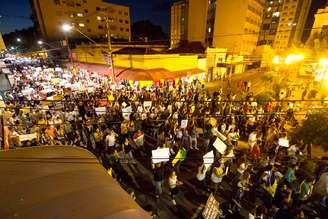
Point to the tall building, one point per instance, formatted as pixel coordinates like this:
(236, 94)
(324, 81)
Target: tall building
(89, 16)
(237, 24)
(197, 17)
(179, 27)
(319, 33)
(283, 23)
(270, 22)
(2, 43)
(231, 24)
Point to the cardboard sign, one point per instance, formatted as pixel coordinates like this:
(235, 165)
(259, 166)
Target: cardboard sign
(147, 103)
(220, 146)
(127, 109)
(27, 137)
(160, 155)
(208, 159)
(100, 111)
(283, 142)
(211, 210)
(184, 123)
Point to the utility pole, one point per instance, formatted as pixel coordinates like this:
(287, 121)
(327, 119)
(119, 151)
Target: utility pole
(109, 42)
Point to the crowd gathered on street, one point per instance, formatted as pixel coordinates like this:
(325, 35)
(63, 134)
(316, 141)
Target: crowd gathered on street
(123, 123)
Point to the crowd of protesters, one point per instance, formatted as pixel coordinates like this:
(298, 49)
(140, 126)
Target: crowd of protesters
(114, 121)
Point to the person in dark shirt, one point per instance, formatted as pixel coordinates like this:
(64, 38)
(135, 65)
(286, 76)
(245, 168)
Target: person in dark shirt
(158, 173)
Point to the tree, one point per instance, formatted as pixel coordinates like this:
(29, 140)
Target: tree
(314, 129)
(141, 30)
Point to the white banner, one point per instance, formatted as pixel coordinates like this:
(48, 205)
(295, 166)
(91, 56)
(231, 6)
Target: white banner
(160, 155)
(100, 111)
(27, 137)
(220, 146)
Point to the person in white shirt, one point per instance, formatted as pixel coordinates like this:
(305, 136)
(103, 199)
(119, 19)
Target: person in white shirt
(110, 140)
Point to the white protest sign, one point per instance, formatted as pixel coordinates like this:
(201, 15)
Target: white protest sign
(208, 159)
(220, 145)
(100, 111)
(147, 103)
(27, 137)
(184, 123)
(160, 155)
(283, 142)
(211, 210)
(127, 109)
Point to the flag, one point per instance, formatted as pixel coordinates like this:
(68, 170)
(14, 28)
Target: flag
(181, 156)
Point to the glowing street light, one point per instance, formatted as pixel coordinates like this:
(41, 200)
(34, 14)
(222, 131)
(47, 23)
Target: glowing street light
(276, 60)
(299, 57)
(19, 40)
(40, 42)
(324, 62)
(67, 27)
(289, 59)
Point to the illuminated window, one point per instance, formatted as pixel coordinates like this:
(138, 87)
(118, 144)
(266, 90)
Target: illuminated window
(79, 14)
(98, 18)
(276, 14)
(81, 24)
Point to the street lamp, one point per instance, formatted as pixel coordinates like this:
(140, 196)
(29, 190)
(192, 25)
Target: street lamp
(40, 42)
(67, 28)
(19, 40)
(276, 60)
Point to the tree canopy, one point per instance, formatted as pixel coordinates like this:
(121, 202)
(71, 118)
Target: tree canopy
(314, 129)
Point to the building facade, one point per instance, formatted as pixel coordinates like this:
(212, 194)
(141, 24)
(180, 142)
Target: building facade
(222, 23)
(179, 27)
(270, 22)
(319, 33)
(238, 34)
(89, 16)
(283, 23)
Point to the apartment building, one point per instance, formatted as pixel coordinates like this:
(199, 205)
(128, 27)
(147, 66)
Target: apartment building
(222, 23)
(88, 16)
(283, 23)
(179, 27)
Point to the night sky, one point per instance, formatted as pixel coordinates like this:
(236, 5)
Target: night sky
(158, 11)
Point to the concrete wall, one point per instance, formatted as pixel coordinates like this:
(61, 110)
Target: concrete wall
(171, 62)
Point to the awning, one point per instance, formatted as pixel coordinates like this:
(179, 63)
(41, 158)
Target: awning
(60, 182)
